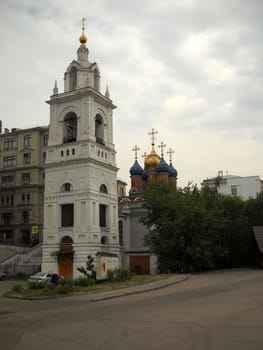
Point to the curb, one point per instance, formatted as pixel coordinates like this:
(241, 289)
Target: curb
(143, 290)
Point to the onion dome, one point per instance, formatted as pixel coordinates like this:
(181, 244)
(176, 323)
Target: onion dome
(152, 160)
(162, 167)
(83, 39)
(136, 169)
(144, 174)
(172, 171)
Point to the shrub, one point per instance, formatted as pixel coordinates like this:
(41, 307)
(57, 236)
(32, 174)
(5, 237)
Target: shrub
(121, 274)
(37, 285)
(84, 281)
(64, 289)
(89, 270)
(67, 282)
(17, 288)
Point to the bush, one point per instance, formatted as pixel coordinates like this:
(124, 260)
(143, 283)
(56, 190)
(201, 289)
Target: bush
(17, 288)
(37, 285)
(64, 289)
(121, 274)
(67, 282)
(84, 281)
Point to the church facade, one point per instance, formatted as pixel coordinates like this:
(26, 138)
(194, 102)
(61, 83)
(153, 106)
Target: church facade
(135, 254)
(80, 200)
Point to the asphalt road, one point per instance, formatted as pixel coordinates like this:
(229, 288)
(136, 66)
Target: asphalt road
(220, 310)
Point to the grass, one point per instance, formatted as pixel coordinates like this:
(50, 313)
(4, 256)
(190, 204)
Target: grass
(24, 292)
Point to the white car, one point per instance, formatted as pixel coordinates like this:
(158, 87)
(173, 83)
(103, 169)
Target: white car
(46, 277)
(40, 277)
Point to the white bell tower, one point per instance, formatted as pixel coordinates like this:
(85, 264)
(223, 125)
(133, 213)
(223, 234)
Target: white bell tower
(80, 204)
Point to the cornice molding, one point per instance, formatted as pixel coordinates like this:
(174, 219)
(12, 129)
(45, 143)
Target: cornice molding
(79, 93)
(81, 161)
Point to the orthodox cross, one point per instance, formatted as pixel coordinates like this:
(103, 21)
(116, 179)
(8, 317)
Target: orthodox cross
(135, 150)
(152, 133)
(83, 22)
(162, 146)
(144, 155)
(170, 152)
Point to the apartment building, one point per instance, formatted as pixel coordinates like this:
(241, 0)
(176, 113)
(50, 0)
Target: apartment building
(241, 186)
(22, 159)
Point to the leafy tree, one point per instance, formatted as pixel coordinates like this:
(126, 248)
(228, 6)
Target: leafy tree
(192, 229)
(180, 227)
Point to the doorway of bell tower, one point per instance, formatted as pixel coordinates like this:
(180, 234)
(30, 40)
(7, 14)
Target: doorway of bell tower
(65, 263)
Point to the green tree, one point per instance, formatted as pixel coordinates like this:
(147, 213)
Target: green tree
(192, 229)
(181, 224)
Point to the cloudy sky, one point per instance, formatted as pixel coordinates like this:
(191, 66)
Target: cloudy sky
(190, 69)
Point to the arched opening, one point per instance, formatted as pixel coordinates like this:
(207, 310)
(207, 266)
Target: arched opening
(70, 128)
(66, 239)
(99, 129)
(104, 240)
(103, 189)
(66, 187)
(73, 78)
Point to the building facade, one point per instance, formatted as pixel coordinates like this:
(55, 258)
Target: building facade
(241, 186)
(81, 202)
(22, 158)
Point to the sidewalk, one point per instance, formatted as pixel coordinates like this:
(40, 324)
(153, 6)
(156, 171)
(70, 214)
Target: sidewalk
(142, 288)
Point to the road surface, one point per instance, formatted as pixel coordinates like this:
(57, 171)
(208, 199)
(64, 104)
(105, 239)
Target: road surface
(217, 310)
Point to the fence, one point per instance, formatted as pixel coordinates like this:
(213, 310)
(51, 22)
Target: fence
(14, 269)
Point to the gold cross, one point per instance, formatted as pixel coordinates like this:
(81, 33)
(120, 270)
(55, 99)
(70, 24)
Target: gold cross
(144, 155)
(162, 146)
(135, 150)
(152, 133)
(170, 152)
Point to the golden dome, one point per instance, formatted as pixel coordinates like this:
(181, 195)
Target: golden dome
(152, 160)
(83, 39)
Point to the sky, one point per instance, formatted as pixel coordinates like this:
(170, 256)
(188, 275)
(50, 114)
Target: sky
(190, 69)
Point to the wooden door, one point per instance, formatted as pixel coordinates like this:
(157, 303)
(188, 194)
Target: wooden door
(66, 265)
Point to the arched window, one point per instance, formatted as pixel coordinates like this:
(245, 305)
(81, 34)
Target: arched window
(66, 239)
(25, 217)
(73, 78)
(103, 189)
(70, 128)
(104, 240)
(99, 129)
(103, 215)
(66, 187)
(67, 215)
(121, 240)
(66, 245)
